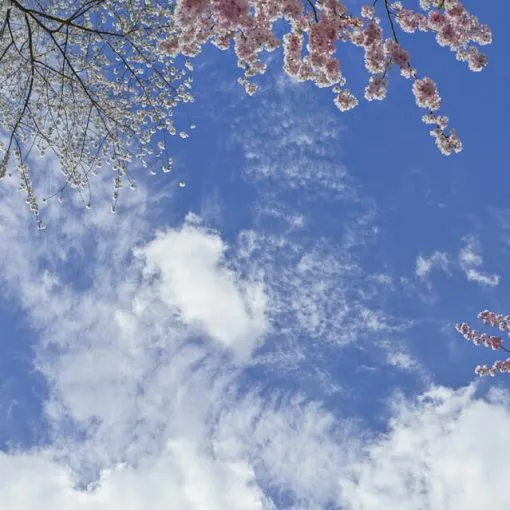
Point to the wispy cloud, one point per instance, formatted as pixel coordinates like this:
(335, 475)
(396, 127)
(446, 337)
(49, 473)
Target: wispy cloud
(294, 148)
(470, 261)
(437, 260)
(136, 358)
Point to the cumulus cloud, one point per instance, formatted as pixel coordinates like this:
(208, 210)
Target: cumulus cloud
(195, 279)
(181, 477)
(470, 260)
(437, 455)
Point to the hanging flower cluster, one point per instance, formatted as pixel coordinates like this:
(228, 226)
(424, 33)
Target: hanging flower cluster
(310, 46)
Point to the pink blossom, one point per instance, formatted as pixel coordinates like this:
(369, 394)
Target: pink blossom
(345, 101)
(193, 7)
(332, 70)
(372, 35)
(376, 89)
(396, 53)
(249, 26)
(483, 36)
(491, 341)
(476, 60)
(448, 36)
(447, 143)
(499, 366)
(426, 94)
(230, 12)
(368, 11)
(436, 20)
(410, 21)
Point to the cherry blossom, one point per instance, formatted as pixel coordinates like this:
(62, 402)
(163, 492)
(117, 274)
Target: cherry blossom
(96, 81)
(315, 31)
(86, 83)
(502, 322)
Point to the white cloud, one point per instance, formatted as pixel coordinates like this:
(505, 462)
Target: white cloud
(196, 280)
(444, 451)
(304, 151)
(437, 260)
(397, 355)
(182, 477)
(120, 350)
(298, 447)
(470, 261)
(133, 349)
(316, 288)
(130, 382)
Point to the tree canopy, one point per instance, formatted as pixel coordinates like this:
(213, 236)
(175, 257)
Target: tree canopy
(95, 81)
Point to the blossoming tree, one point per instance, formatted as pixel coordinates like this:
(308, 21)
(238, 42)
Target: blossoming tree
(96, 80)
(84, 80)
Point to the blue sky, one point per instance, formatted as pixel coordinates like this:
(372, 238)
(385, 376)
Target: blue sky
(278, 334)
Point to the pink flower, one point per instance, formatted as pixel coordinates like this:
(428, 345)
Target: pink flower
(376, 89)
(230, 12)
(345, 101)
(249, 26)
(396, 53)
(490, 341)
(436, 20)
(410, 21)
(368, 11)
(476, 60)
(426, 94)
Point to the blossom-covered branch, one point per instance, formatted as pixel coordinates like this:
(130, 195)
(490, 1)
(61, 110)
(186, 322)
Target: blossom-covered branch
(311, 43)
(502, 322)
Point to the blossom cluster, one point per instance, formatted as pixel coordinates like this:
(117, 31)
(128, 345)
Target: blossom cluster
(498, 366)
(310, 45)
(454, 28)
(502, 322)
(493, 342)
(495, 320)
